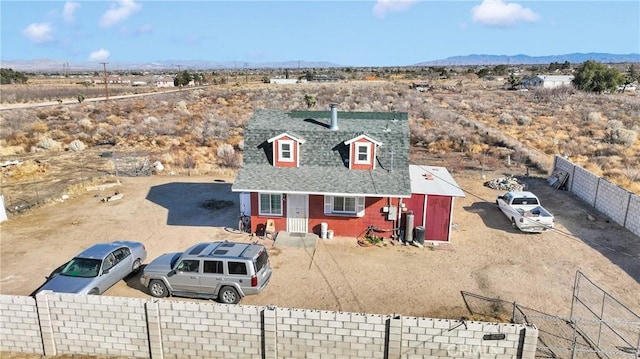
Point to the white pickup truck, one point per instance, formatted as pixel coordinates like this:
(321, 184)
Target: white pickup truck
(525, 212)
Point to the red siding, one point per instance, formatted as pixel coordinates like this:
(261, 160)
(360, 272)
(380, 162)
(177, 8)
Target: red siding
(353, 155)
(416, 205)
(276, 152)
(340, 225)
(438, 215)
(350, 226)
(257, 221)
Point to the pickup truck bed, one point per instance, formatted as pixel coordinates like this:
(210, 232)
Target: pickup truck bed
(525, 212)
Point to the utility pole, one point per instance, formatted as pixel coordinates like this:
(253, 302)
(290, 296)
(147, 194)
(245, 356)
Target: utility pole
(106, 83)
(179, 78)
(246, 73)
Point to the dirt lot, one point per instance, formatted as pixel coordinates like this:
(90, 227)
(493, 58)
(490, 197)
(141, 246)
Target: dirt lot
(486, 256)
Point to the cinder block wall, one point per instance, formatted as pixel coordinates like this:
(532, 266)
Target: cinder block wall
(151, 328)
(617, 203)
(19, 325)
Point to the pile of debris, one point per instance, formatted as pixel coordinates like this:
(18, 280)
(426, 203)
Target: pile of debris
(505, 184)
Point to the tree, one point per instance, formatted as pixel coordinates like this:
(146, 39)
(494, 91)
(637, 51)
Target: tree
(514, 81)
(631, 76)
(596, 77)
(182, 79)
(8, 76)
(310, 100)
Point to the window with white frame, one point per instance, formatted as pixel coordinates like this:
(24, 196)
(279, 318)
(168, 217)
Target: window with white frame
(285, 150)
(363, 153)
(344, 205)
(270, 204)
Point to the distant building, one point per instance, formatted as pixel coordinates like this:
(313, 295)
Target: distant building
(547, 81)
(286, 81)
(164, 81)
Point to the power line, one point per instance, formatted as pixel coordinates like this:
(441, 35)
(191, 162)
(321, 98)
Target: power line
(106, 83)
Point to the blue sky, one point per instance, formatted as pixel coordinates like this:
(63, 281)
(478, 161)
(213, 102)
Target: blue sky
(349, 33)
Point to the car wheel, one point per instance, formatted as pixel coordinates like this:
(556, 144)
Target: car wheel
(513, 224)
(94, 291)
(229, 295)
(136, 266)
(158, 289)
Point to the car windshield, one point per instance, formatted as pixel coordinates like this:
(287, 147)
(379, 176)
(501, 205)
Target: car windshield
(82, 267)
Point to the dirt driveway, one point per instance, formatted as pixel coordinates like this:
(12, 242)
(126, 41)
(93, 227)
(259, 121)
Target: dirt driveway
(486, 256)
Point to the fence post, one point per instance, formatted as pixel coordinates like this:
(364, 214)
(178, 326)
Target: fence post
(270, 333)
(154, 330)
(595, 198)
(46, 326)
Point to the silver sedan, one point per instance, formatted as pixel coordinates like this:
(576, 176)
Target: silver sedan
(97, 268)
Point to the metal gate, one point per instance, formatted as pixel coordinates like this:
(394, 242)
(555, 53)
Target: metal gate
(297, 213)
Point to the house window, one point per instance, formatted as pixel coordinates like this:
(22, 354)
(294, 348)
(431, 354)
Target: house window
(363, 153)
(270, 204)
(285, 151)
(344, 205)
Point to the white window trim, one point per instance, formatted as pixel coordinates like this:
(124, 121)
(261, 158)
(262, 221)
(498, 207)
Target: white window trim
(328, 207)
(260, 205)
(280, 150)
(358, 145)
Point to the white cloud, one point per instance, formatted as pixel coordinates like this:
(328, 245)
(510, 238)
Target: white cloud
(99, 55)
(117, 13)
(39, 33)
(501, 14)
(382, 7)
(70, 8)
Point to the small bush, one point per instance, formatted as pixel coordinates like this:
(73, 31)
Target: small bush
(523, 120)
(76, 146)
(227, 155)
(505, 119)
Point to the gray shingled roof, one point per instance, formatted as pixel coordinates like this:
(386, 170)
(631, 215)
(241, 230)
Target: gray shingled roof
(322, 157)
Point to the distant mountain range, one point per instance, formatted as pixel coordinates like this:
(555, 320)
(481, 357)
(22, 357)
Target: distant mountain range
(520, 59)
(61, 65)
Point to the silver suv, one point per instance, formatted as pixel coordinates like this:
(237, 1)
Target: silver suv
(226, 271)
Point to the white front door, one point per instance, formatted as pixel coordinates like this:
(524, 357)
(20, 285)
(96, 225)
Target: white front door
(297, 213)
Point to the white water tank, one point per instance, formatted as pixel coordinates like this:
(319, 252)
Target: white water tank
(323, 230)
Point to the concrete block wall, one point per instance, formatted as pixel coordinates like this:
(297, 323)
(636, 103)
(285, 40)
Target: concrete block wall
(210, 330)
(584, 185)
(443, 338)
(19, 325)
(96, 325)
(617, 203)
(632, 222)
(152, 328)
(612, 200)
(327, 334)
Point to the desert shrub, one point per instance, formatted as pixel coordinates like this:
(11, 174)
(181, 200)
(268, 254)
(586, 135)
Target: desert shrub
(594, 117)
(505, 119)
(39, 127)
(227, 155)
(150, 120)
(624, 137)
(76, 146)
(523, 120)
(47, 143)
(85, 123)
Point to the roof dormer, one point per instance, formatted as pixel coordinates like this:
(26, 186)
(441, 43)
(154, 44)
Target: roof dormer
(362, 152)
(286, 150)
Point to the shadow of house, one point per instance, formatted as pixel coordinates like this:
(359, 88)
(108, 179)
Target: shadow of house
(197, 204)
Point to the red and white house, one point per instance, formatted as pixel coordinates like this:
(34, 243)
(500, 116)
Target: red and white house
(307, 169)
